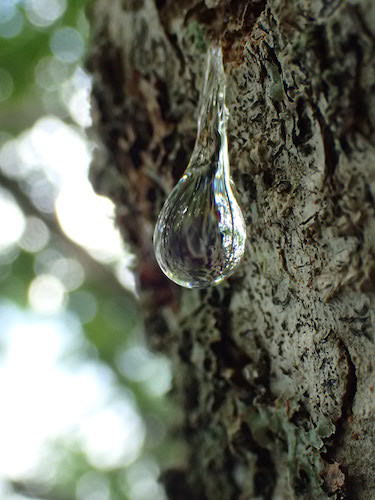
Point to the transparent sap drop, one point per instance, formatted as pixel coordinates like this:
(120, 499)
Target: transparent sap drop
(200, 234)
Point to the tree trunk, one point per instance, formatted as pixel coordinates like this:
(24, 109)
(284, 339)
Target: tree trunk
(273, 368)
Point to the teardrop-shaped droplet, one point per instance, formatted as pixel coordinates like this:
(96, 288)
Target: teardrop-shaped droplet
(200, 234)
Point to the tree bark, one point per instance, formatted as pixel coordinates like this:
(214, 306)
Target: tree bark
(274, 369)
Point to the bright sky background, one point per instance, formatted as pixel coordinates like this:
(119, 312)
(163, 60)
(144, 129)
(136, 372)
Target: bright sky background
(48, 394)
(44, 396)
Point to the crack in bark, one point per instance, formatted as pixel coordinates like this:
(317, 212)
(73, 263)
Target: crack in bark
(335, 441)
(265, 476)
(330, 153)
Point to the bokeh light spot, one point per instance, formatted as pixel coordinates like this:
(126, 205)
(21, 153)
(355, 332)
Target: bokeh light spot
(43, 13)
(7, 10)
(46, 294)
(67, 45)
(11, 26)
(69, 271)
(35, 236)
(98, 236)
(12, 220)
(113, 437)
(142, 480)
(50, 73)
(45, 259)
(41, 191)
(84, 304)
(140, 365)
(11, 162)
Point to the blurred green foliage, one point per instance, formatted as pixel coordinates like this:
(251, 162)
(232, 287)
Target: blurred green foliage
(20, 54)
(114, 326)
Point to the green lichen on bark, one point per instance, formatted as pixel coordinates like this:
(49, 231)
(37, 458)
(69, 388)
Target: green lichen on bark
(197, 33)
(274, 369)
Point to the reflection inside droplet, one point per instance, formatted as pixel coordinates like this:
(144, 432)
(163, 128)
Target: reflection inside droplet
(200, 235)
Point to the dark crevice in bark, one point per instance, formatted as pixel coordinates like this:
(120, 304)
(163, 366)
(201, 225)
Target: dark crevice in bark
(273, 58)
(319, 44)
(265, 476)
(358, 120)
(301, 483)
(330, 153)
(227, 353)
(359, 325)
(301, 417)
(107, 61)
(160, 3)
(177, 486)
(201, 13)
(303, 123)
(185, 346)
(335, 441)
(175, 46)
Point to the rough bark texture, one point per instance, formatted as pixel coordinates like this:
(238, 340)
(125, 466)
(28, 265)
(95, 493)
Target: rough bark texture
(274, 369)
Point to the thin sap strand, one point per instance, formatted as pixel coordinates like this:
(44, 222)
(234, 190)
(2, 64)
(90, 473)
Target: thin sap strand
(200, 235)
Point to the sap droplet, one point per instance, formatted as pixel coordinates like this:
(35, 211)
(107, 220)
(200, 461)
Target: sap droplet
(200, 235)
